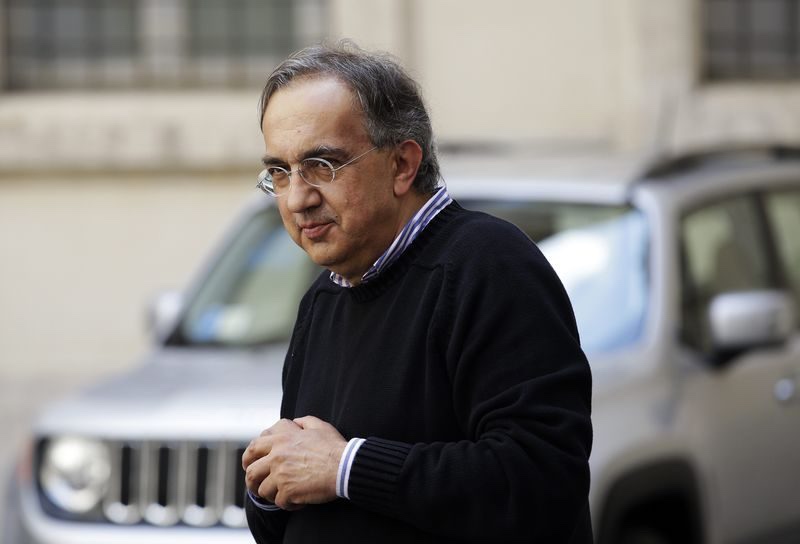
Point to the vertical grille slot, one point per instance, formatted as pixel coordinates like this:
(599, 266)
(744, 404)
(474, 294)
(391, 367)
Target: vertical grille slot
(203, 506)
(201, 476)
(159, 483)
(233, 514)
(121, 502)
(125, 475)
(239, 488)
(164, 476)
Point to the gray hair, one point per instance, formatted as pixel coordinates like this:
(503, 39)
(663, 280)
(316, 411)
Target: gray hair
(390, 100)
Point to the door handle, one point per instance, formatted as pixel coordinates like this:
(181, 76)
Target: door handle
(785, 389)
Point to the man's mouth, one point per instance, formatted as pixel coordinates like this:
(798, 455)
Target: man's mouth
(314, 231)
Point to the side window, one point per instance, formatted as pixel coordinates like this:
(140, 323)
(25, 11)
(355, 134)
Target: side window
(783, 211)
(723, 251)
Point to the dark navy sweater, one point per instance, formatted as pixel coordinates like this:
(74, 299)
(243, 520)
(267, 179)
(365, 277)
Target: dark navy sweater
(461, 366)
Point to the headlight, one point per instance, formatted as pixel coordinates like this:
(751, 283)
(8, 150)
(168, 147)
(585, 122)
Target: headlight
(75, 473)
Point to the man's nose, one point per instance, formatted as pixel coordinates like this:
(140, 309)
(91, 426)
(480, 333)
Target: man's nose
(301, 195)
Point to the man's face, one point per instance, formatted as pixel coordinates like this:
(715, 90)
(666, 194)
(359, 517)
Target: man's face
(345, 225)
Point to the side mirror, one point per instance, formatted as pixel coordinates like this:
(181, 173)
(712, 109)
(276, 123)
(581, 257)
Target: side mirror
(744, 320)
(162, 314)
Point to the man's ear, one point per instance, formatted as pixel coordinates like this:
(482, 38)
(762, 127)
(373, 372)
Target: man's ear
(408, 156)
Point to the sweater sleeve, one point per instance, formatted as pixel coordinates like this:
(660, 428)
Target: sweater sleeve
(521, 389)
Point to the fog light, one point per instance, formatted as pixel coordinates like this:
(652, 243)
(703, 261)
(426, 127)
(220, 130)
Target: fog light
(75, 473)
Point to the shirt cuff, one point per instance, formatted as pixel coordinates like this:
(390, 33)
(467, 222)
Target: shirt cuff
(345, 464)
(261, 503)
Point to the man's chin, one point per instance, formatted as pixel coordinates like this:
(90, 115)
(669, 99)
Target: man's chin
(320, 253)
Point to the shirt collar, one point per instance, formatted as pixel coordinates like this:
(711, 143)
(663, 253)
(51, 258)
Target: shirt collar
(407, 235)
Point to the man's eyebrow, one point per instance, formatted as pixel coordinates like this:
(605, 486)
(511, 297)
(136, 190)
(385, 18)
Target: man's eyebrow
(267, 160)
(324, 150)
(318, 151)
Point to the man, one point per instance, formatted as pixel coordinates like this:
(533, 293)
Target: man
(434, 387)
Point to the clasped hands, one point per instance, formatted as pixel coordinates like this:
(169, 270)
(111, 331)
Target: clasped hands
(294, 462)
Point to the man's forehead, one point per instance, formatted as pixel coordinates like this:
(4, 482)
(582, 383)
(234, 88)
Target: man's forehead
(309, 113)
(313, 95)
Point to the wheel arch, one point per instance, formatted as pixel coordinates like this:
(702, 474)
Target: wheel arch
(668, 482)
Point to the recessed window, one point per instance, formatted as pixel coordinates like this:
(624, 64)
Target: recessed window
(71, 43)
(751, 39)
(101, 44)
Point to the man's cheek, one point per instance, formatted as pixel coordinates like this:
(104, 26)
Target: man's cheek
(294, 232)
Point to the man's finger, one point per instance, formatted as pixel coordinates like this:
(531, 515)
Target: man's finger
(309, 422)
(282, 425)
(256, 473)
(268, 490)
(256, 449)
(284, 504)
(262, 446)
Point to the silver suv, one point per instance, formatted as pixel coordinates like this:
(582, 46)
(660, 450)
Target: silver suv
(685, 282)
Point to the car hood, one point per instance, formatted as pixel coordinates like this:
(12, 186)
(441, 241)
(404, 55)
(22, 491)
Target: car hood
(222, 394)
(178, 393)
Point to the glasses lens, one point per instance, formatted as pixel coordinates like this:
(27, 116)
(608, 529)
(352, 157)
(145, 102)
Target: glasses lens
(264, 183)
(317, 171)
(277, 179)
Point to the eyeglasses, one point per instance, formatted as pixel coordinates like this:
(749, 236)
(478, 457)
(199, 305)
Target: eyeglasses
(276, 180)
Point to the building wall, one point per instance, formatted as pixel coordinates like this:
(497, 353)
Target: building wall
(81, 256)
(146, 131)
(535, 73)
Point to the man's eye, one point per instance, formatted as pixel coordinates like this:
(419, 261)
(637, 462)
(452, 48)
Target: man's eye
(276, 172)
(316, 165)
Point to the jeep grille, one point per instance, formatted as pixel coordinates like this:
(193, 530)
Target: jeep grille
(166, 483)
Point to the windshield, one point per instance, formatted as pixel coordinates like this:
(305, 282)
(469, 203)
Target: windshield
(251, 295)
(599, 252)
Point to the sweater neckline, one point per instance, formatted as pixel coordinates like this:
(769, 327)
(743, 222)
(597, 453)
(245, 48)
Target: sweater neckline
(369, 290)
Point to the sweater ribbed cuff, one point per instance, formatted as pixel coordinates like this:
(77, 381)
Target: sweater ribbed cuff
(374, 474)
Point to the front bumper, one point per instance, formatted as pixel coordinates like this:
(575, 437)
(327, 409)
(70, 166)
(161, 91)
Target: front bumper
(26, 523)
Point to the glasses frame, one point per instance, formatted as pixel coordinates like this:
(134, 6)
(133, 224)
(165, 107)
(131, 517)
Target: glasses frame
(265, 178)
